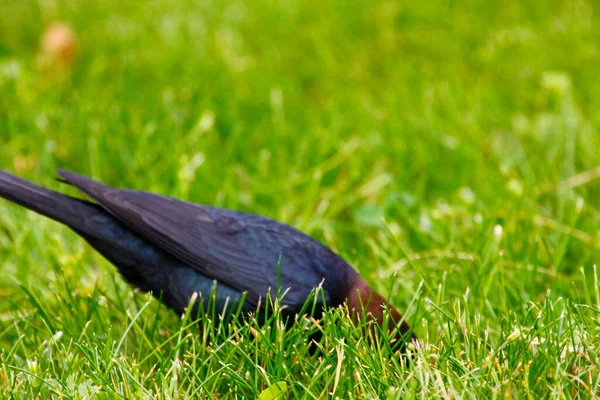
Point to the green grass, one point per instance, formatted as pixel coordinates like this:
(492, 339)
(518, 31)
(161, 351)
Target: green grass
(447, 150)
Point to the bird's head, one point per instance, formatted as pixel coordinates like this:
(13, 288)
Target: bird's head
(365, 303)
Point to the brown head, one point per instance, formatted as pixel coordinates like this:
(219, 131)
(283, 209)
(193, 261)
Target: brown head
(362, 297)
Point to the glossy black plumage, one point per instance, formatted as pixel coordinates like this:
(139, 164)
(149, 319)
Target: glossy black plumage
(241, 250)
(161, 244)
(175, 249)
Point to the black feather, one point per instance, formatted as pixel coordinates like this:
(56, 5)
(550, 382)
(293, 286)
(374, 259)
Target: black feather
(164, 245)
(240, 250)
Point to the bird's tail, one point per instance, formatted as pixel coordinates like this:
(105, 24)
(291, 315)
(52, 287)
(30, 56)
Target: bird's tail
(59, 207)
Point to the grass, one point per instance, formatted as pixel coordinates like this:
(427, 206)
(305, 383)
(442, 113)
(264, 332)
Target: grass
(448, 150)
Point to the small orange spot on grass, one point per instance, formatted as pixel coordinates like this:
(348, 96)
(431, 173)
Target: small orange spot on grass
(58, 47)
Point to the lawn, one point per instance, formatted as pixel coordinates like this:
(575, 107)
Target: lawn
(447, 150)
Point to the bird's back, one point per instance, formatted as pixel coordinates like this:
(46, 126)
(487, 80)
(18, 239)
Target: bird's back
(249, 253)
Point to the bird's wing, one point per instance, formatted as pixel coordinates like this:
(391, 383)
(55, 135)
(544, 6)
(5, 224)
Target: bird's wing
(241, 250)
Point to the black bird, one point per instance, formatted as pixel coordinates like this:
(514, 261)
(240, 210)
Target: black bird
(175, 249)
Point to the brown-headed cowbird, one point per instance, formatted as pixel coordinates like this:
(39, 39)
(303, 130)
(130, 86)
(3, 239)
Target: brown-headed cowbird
(174, 249)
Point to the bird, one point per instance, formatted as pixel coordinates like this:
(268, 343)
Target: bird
(186, 253)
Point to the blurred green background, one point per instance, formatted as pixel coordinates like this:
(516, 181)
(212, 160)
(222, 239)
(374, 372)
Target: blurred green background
(449, 143)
